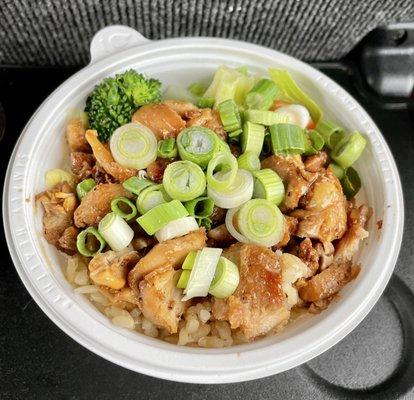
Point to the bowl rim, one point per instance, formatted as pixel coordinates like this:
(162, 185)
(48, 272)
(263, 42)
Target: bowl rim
(245, 372)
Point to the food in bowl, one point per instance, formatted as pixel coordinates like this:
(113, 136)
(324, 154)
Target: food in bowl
(206, 216)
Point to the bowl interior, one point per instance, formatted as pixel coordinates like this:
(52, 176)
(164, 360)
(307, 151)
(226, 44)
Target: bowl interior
(181, 63)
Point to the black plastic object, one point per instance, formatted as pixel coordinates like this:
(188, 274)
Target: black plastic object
(38, 361)
(385, 62)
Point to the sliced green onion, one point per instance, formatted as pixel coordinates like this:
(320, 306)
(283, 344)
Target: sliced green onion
(82, 188)
(159, 216)
(198, 145)
(125, 203)
(197, 89)
(268, 185)
(252, 138)
(57, 175)
(295, 114)
(351, 182)
(243, 69)
(267, 146)
(117, 233)
(314, 142)
(224, 85)
(189, 260)
(151, 197)
(236, 194)
(331, 132)
(224, 162)
(285, 82)
(89, 242)
(201, 207)
(229, 115)
(176, 92)
(262, 95)
(235, 134)
(337, 170)
(206, 102)
(265, 117)
(223, 146)
(261, 222)
(136, 185)
(226, 279)
(202, 273)
(230, 220)
(133, 145)
(184, 180)
(349, 149)
(249, 161)
(287, 139)
(206, 222)
(183, 281)
(176, 228)
(167, 148)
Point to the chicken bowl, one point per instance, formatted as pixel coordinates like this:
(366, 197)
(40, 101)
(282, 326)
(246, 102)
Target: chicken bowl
(258, 226)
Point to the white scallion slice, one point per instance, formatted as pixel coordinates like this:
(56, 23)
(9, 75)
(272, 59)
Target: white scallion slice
(236, 194)
(159, 216)
(151, 197)
(230, 220)
(184, 180)
(296, 114)
(227, 164)
(202, 273)
(176, 228)
(133, 145)
(261, 222)
(226, 279)
(268, 185)
(116, 232)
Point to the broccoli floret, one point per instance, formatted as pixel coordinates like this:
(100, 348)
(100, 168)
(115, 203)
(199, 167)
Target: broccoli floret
(113, 101)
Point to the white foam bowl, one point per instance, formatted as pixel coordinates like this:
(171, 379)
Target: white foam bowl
(41, 147)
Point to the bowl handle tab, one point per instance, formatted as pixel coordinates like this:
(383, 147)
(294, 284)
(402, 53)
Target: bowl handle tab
(113, 39)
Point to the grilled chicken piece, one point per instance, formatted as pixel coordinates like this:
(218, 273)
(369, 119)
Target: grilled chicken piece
(308, 254)
(97, 203)
(110, 269)
(209, 119)
(220, 237)
(157, 168)
(325, 284)
(105, 160)
(170, 253)
(163, 121)
(59, 204)
(326, 254)
(293, 269)
(67, 242)
(290, 229)
(324, 213)
(294, 175)
(349, 244)
(183, 108)
(316, 162)
(82, 164)
(124, 298)
(160, 299)
(257, 305)
(75, 135)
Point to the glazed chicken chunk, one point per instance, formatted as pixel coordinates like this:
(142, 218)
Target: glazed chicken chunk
(296, 178)
(160, 299)
(257, 305)
(170, 253)
(323, 215)
(75, 135)
(110, 269)
(59, 205)
(97, 203)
